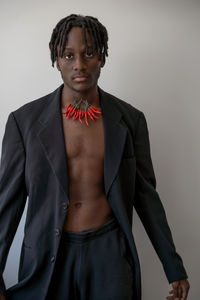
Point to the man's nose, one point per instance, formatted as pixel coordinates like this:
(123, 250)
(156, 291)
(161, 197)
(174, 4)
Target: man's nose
(79, 64)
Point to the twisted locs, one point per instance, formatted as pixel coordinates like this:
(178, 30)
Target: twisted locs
(97, 32)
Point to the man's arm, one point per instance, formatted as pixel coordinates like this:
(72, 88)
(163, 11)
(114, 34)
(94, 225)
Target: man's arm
(150, 209)
(12, 190)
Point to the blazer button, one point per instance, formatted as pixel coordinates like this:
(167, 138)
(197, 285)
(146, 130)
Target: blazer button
(64, 206)
(52, 258)
(57, 232)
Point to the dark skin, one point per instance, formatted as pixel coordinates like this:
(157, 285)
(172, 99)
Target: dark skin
(85, 146)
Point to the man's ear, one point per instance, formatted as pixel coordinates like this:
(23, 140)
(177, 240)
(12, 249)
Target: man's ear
(57, 64)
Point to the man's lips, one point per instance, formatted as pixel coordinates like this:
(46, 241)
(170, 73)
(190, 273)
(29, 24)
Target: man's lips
(80, 78)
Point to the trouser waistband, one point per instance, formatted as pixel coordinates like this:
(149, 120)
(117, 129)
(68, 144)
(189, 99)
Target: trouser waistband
(84, 235)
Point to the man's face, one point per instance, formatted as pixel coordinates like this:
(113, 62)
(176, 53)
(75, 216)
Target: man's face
(80, 71)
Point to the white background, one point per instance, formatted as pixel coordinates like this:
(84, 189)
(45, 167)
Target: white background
(154, 64)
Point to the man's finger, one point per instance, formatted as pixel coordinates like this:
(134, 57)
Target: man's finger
(185, 290)
(180, 292)
(175, 286)
(175, 292)
(170, 297)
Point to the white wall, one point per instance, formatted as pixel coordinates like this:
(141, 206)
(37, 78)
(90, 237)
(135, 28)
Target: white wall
(154, 64)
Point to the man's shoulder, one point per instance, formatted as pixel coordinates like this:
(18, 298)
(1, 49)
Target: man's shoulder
(30, 112)
(34, 105)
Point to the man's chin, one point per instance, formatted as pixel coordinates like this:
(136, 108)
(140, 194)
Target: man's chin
(81, 88)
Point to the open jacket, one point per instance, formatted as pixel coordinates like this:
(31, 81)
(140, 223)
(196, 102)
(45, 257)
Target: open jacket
(34, 169)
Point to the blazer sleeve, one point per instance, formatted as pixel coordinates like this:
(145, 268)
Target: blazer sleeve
(150, 209)
(12, 190)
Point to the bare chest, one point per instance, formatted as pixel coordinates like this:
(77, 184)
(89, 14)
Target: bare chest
(82, 141)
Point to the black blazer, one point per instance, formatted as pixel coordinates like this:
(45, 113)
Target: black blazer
(34, 168)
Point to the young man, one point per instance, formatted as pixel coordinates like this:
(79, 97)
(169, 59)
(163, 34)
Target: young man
(82, 156)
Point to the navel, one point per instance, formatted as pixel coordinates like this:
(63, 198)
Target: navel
(78, 204)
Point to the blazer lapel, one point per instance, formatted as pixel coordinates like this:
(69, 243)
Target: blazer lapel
(114, 138)
(51, 137)
(52, 140)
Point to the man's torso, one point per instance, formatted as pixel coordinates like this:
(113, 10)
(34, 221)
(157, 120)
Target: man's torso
(85, 157)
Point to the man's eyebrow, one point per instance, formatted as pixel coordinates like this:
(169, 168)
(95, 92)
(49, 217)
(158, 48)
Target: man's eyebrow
(68, 48)
(71, 49)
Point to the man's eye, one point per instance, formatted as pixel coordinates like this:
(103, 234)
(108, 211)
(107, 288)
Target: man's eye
(89, 54)
(68, 56)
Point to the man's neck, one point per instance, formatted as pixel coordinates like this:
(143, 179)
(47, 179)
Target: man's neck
(69, 96)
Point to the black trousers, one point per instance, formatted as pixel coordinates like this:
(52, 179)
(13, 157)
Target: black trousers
(93, 264)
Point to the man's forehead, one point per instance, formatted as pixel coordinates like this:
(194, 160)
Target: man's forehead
(73, 31)
(72, 37)
(83, 48)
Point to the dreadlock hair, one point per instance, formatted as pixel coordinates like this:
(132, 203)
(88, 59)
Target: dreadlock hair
(97, 32)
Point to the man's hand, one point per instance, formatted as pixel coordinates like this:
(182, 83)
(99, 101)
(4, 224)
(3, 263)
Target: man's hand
(180, 290)
(2, 298)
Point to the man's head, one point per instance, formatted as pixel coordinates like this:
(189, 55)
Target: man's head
(78, 46)
(97, 33)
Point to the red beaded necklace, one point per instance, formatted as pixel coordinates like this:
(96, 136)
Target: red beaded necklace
(88, 111)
